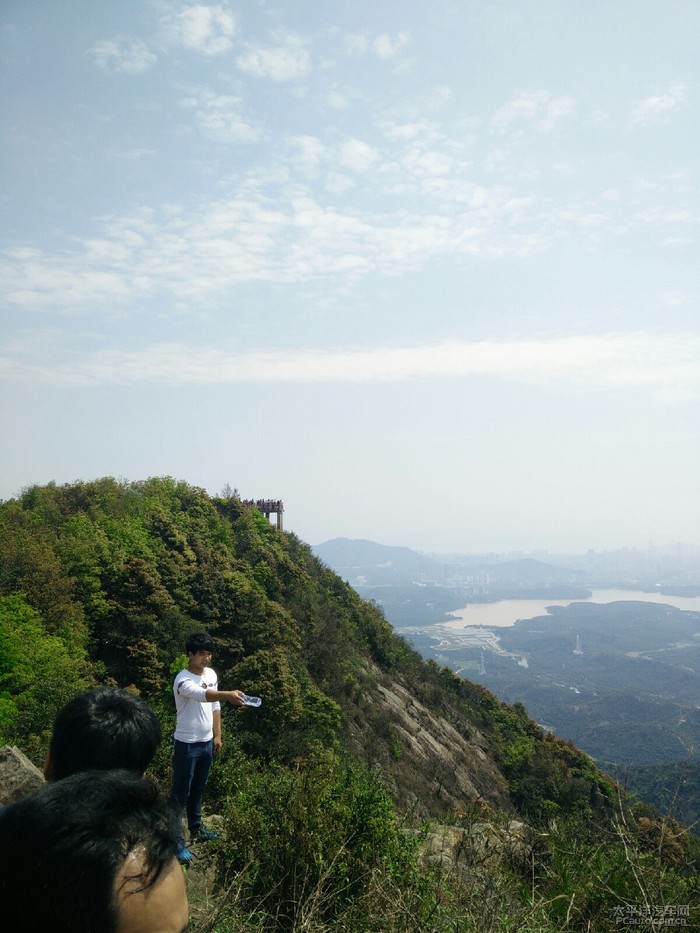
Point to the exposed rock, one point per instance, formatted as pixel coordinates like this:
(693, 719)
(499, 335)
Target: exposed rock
(476, 847)
(429, 766)
(18, 776)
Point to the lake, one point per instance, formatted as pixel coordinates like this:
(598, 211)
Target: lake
(507, 611)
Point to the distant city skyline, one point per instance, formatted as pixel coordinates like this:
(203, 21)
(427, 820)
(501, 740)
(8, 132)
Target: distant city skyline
(680, 550)
(426, 272)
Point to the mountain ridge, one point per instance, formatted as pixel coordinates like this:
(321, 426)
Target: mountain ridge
(101, 581)
(343, 554)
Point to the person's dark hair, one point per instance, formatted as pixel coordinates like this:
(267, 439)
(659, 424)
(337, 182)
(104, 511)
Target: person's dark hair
(62, 847)
(199, 641)
(102, 729)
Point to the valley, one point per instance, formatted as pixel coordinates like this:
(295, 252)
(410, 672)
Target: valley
(616, 669)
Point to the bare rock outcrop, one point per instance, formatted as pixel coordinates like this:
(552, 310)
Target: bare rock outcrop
(476, 848)
(429, 766)
(18, 776)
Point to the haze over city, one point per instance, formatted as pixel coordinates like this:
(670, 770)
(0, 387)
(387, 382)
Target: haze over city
(426, 272)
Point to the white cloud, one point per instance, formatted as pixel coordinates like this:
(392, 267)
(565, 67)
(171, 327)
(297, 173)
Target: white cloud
(336, 100)
(122, 56)
(208, 30)
(675, 298)
(356, 44)
(309, 151)
(556, 109)
(337, 183)
(666, 366)
(430, 163)
(665, 215)
(386, 47)
(657, 108)
(537, 107)
(357, 155)
(286, 61)
(219, 115)
(524, 106)
(273, 232)
(408, 131)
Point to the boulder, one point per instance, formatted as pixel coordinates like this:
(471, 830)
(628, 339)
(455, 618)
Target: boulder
(479, 847)
(18, 776)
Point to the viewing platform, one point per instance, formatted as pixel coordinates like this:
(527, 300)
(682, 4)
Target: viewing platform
(268, 507)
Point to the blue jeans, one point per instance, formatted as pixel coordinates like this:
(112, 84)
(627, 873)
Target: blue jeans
(191, 765)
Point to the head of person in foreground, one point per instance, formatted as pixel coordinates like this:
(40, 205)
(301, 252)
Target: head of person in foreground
(93, 853)
(102, 729)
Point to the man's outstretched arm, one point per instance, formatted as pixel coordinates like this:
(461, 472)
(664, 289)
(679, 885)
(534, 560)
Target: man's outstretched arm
(225, 696)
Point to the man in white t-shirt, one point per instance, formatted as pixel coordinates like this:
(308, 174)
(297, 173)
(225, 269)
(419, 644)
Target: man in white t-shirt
(197, 734)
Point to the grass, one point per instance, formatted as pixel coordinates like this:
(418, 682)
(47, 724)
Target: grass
(569, 882)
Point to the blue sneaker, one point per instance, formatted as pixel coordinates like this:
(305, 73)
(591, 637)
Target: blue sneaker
(184, 856)
(204, 835)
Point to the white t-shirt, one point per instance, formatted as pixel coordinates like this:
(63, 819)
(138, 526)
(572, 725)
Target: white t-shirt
(195, 716)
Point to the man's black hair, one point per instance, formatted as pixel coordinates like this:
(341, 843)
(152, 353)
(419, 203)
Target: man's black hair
(199, 641)
(102, 729)
(62, 847)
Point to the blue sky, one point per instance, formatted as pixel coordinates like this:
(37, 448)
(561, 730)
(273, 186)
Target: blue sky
(427, 272)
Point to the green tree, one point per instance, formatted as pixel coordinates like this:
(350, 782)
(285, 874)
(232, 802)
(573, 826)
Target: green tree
(37, 672)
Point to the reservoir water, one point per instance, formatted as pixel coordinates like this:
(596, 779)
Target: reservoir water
(508, 611)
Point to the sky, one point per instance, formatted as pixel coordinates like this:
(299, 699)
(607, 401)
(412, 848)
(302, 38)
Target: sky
(427, 272)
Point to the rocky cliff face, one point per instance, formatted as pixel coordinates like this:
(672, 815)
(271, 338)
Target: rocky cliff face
(430, 767)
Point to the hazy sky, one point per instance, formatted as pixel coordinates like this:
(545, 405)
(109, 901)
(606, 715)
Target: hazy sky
(427, 271)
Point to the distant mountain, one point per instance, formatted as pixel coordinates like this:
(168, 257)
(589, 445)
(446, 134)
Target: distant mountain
(377, 563)
(382, 564)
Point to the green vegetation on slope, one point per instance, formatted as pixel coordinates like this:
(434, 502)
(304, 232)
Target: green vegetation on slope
(102, 581)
